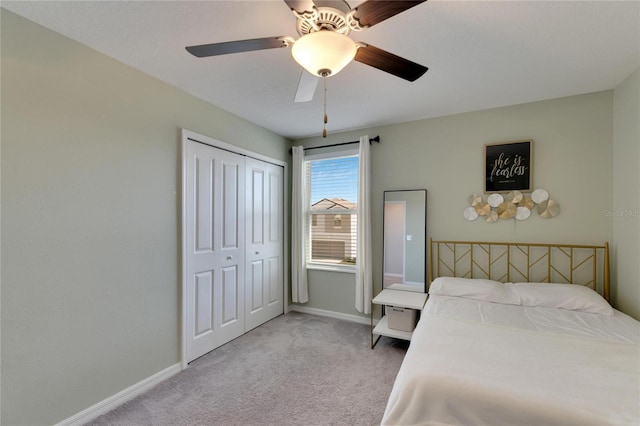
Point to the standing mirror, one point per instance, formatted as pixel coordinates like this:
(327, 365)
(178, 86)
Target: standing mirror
(405, 240)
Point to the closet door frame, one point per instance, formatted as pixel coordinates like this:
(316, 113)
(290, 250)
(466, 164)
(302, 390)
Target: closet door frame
(187, 136)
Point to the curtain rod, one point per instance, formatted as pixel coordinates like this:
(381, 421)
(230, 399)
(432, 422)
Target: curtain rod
(374, 139)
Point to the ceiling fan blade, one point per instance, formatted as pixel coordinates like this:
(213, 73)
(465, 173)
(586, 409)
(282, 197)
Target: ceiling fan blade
(373, 12)
(388, 62)
(306, 87)
(300, 6)
(225, 48)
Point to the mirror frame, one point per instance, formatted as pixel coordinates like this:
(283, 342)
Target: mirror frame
(425, 265)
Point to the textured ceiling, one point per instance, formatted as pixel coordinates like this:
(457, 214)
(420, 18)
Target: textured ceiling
(480, 54)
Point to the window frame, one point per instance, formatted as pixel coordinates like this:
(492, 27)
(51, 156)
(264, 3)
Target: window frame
(320, 266)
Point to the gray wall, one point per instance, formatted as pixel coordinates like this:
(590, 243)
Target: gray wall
(90, 198)
(626, 194)
(573, 157)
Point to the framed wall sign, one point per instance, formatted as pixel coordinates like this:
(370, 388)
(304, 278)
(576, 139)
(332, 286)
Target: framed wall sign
(508, 166)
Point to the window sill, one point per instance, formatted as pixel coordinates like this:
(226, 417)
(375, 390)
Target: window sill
(332, 268)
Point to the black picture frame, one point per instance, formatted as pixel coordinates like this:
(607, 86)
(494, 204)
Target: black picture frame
(508, 166)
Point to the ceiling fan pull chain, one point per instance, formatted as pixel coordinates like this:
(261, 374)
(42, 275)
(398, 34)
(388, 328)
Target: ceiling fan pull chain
(324, 130)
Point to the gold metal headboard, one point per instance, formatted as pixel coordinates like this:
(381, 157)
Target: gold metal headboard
(586, 265)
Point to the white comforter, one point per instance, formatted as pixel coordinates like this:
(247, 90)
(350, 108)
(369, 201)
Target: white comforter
(481, 363)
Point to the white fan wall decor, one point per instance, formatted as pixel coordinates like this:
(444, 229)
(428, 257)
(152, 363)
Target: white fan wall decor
(514, 205)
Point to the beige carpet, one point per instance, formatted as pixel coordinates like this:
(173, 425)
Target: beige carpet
(297, 369)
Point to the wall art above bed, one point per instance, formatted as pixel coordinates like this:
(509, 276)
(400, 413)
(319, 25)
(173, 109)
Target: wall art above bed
(508, 179)
(508, 166)
(513, 205)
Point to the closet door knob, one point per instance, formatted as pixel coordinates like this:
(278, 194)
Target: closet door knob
(229, 257)
(257, 252)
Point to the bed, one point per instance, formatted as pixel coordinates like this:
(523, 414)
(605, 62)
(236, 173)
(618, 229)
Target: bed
(519, 334)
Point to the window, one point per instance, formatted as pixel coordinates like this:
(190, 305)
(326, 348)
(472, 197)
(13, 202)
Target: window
(332, 210)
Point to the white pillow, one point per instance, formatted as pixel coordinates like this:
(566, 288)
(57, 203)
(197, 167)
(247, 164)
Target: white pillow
(573, 297)
(477, 289)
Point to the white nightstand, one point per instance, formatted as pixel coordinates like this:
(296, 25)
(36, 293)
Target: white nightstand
(398, 298)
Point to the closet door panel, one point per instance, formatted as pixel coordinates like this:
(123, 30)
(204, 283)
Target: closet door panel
(274, 275)
(204, 208)
(214, 248)
(231, 207)
(275, 200)
(204, 304)
(265, 248)
(230, 198)
(257, 206)
(257, 273)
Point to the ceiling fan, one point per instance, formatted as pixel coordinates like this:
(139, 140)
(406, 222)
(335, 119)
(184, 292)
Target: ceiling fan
(324, 47)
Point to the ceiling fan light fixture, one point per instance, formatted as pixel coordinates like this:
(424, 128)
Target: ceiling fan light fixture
(324, 52)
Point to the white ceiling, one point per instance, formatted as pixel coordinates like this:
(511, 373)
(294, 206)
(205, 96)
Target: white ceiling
(480, 54)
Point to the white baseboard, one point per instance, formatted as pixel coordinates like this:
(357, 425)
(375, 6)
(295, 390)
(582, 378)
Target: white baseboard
(121, 397)
(332, 314)
(389, 274)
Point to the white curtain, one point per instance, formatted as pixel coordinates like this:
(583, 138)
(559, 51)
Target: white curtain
(299, 287)
(364, 283)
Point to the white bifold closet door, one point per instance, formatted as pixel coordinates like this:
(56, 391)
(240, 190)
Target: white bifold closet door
(214, 248)
(264, 250)
(234, 248)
